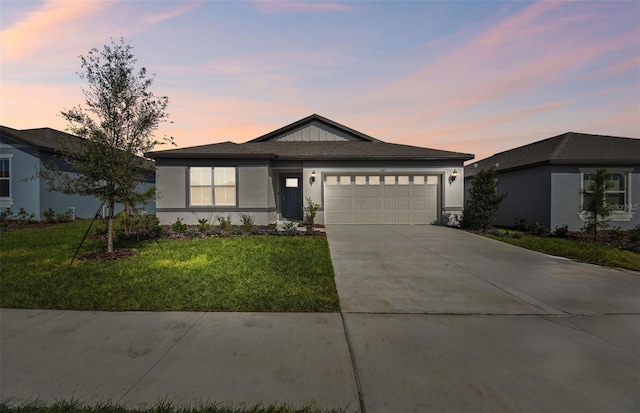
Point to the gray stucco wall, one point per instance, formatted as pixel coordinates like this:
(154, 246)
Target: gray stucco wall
(566, 185)
(253, 185)
(257, 186)
(528, 196)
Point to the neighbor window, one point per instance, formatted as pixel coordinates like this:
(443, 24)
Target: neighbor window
(5, 178)
(616, 194)
(213, 186)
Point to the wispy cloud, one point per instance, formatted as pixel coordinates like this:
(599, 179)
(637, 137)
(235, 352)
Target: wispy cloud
(174, 12)
(52, 23)
(301, 6)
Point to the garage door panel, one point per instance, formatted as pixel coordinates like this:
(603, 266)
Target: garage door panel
(402, 204)
(360, 205)
(389, 200)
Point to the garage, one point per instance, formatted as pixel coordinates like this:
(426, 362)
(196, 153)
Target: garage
(381, 199)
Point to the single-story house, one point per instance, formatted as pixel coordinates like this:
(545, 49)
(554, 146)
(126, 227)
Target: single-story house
(545, 180)
(355, 178)
(23, 153)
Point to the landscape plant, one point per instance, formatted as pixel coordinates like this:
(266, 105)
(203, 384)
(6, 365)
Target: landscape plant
(310, 211)
(595, 201)
(203, 225)
(481, 209)
(225, 223)
(115, 128)
(49, 215)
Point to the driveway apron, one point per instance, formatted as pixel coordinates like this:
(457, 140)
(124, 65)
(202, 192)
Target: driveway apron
(442, 320)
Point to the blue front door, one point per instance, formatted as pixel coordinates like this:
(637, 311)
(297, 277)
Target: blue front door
(291, 196)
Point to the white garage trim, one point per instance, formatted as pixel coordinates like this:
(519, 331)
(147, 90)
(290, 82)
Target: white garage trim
(400, 198)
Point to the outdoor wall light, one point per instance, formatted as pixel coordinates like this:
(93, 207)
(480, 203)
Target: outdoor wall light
(312, 178)
(454, 175)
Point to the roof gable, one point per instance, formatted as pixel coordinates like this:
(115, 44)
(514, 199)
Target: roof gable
(569, 148)
(315, 128)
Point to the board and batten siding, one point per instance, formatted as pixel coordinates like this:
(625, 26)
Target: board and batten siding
(315, 132)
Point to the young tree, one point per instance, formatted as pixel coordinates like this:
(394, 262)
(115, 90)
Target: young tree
(482, 207)
(116, 128)
(595, 200)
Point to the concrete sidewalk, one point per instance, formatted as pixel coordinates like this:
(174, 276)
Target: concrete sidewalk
(139, 358)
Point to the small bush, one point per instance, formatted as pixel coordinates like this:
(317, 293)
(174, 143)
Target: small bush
(6, 215)
(64, 217)
(290, 228)
(24, 217)
(49, 215)
(203, 225)
(248, 222)
(225, 223)
(310, 211)
(561, 231)
(179, 226)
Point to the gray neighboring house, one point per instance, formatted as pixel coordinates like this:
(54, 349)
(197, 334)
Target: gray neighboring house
(355, 178)
(545, 179)
(25, 152)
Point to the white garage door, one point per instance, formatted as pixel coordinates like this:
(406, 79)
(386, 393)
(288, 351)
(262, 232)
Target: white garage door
(387, 199)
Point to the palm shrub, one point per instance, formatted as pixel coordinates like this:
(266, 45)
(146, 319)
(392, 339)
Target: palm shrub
(595, 201)
(482, 207)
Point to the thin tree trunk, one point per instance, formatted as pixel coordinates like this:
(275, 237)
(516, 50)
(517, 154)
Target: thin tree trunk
(110, 229)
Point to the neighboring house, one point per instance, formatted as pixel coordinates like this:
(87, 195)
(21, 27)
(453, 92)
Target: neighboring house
(545, 180)
(356, 179)
(23, 153)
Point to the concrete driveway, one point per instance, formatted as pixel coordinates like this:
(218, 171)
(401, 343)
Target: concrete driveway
(442, 320)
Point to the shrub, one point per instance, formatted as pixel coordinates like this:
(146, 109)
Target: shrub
(179, 226)
(310, 211)
(24, 217)
(248, 222)
(290, 228)
(49, 215)
(225, 223)
(64, 217)
(203, 224)
(480, 211)
(561, 231)
(6, 215)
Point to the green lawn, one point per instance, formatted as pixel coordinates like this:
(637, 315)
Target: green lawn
(261, 273)
(576, 250)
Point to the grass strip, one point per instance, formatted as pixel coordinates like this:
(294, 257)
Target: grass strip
(576, 250)
(162, 407)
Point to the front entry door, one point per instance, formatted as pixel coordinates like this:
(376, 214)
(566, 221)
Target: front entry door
(291, 196)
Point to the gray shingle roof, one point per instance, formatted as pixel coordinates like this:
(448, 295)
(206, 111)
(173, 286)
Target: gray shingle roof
(45, 139)
(311, 151)
(570, 148)
(365, 148)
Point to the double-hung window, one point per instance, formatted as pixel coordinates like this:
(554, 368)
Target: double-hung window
(5, 177)
(617, 195)
(212, 186)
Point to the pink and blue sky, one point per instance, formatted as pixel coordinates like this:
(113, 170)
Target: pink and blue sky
(470, 76)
